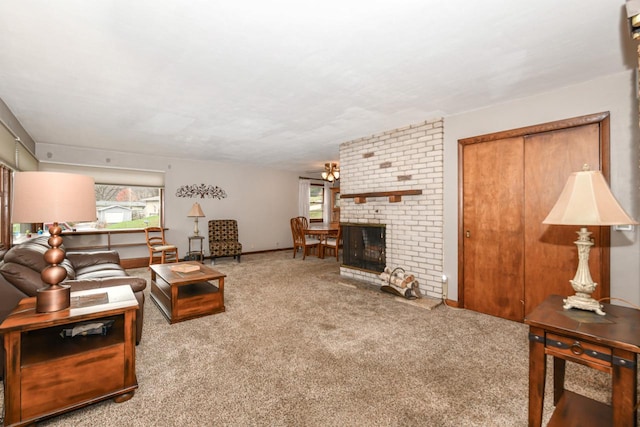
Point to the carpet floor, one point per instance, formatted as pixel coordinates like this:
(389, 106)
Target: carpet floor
(300, 346)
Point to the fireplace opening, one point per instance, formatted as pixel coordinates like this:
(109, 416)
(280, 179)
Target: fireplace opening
(364, 246)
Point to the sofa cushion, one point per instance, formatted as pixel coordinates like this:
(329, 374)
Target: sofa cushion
(100, 270)
(85, 259)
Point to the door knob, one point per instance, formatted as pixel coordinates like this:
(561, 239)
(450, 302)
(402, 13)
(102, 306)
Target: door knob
(468, 233)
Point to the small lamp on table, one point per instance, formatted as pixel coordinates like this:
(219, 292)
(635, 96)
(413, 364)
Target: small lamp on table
(43, 197)
(195, 212)
(586, 200)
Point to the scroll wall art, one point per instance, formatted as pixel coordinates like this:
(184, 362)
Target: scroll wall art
(202, 191)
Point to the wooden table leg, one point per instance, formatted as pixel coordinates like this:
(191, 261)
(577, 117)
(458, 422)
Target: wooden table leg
(537, 376)
(558, 378)
(624, 386)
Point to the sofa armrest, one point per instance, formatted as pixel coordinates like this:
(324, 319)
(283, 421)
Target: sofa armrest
(10, 296)
(138, 284)
(25, 279)
(85, 259)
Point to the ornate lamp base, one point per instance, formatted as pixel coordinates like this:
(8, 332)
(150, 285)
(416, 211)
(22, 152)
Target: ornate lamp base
(53, 298)
(582, 283)
(583, 302)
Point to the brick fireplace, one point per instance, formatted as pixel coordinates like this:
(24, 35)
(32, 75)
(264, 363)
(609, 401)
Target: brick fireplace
(395, 179)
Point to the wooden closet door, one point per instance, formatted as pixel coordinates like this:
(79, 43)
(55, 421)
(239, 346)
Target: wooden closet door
(509, 262)
(493, 227)
(551, 256)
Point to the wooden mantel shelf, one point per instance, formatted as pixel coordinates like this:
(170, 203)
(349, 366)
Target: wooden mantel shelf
(394, 196)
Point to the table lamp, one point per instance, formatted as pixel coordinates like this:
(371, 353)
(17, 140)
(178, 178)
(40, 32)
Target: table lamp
(195, 212)
(586, 200)
(53, 196)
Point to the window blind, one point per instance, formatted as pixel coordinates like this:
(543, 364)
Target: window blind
(110, 176)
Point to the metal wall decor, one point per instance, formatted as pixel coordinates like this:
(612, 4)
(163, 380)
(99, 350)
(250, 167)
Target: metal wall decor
(201, 190)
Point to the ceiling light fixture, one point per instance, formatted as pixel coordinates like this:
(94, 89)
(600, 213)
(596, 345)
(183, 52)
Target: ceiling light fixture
(331, 172)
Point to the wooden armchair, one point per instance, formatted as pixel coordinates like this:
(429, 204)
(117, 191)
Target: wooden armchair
(158, 246)
(223, 238)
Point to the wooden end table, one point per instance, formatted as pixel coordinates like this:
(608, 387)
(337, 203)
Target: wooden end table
(196, 251)
(47, 374)
(609, 343)
(186, 295)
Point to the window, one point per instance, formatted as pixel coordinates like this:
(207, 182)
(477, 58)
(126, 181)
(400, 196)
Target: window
(125, 207)
(118, 207)
(316, 202)
(125, 198)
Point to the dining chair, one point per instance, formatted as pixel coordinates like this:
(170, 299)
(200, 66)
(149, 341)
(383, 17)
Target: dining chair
(158, 246)
(305, 221)
(332, 242)
(300, 241)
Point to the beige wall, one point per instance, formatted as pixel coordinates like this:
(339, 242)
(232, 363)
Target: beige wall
(261, 199)
(616, 94)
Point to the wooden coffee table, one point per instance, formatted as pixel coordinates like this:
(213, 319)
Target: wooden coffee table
(186, 295)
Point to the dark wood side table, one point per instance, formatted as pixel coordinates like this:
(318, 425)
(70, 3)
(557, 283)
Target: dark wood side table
(196, 251)
(47, 374)
(609, 343)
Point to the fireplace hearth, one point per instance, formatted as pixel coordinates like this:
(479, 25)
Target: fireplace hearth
(364, 246)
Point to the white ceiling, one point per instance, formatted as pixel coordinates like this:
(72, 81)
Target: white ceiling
(284, 82)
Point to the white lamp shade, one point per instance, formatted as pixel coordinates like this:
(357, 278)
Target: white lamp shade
(52, 196)
(587, 200)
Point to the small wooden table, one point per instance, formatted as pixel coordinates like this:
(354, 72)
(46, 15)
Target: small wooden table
(46, 374)
(609, 343)
(196, 251)
(186, 295)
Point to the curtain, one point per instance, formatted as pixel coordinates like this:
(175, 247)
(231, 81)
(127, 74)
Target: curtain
(326, 205)
(303, 197)
(5, 198)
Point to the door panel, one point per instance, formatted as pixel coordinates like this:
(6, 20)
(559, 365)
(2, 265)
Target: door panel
(551, 256)
(492, 227)
(509, 182)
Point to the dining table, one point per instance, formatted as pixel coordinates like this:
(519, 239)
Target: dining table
(321, 230)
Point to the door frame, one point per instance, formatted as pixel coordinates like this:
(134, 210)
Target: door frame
(603, 120)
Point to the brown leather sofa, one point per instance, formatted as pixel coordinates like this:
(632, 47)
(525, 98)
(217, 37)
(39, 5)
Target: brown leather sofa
(21, 265)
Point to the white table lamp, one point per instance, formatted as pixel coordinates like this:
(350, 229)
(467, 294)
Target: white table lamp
(195, 212)
(586, 200)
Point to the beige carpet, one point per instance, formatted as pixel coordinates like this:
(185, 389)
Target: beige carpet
(299, 346)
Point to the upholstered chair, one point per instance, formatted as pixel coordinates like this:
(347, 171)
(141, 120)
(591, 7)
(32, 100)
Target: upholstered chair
(223, 239)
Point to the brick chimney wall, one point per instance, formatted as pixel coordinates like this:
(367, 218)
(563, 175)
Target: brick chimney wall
(409, 158)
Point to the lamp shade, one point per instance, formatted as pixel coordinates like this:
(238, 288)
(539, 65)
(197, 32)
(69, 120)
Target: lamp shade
(52, 196)
(195, 211)
(587, 200)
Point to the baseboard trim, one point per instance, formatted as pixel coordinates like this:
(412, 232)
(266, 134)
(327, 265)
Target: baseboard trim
(144, 262)
(452, 303)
